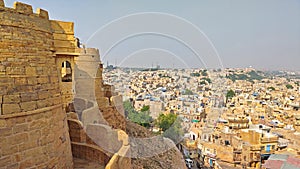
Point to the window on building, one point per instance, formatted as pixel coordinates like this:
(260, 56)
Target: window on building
(262, 147)
(66, 72)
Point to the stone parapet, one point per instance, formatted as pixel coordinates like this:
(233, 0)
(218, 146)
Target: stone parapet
(2, 4)
(64, 40)
(23, 8)
(120, 160)
(90, 152)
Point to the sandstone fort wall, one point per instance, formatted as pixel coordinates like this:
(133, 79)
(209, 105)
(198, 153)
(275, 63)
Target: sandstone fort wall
(33, 126)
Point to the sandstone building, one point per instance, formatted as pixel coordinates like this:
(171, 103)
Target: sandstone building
(44, 77)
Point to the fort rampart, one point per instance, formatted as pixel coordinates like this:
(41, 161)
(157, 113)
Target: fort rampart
(33, 124)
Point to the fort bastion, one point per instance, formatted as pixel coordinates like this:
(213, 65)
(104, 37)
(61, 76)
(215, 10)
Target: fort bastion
(52, 94)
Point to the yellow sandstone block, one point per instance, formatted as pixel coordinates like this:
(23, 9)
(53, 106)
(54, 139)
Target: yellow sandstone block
(43, 95)
(15, 70)
(43, 80)
(10, 108)
(11, 99)
(30, 71)
(62, 27)
(17, 139)
(28, 106)
(2, 123)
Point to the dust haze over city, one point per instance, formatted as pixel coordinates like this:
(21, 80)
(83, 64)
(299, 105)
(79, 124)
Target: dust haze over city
(150, 84)
(261, 34)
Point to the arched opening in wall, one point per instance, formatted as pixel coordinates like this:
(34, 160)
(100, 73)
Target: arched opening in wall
(66, 71)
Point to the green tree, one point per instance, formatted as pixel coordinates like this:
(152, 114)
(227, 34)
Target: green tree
(271, 88)
(188, 92)
(204, 73)
(206, 79)
(145, 108)
(254, 75)
(195, 74)
(171, 125)
(203, 82)
(250, 76)
(230, 94)
(142, 118)
(128, 108)
(165, 121)
(289, 86)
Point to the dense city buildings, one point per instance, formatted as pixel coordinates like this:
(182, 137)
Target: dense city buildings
(235, 117)
(55, 109)
(60, 107)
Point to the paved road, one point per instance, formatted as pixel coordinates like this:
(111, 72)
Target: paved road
(228, 166)
(222, 164)
(198, 166)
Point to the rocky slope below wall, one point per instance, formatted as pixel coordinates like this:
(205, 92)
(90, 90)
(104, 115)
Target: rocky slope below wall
(156, 152)
(147, 150)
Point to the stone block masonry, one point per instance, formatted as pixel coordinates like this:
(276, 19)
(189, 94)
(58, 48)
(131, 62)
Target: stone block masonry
(33, 126)
(37, 138)
(34, 132)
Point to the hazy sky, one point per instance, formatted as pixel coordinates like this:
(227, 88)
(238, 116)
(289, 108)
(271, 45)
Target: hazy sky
(264, 34)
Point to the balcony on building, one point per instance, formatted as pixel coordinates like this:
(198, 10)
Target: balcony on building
(237, 150)
(255, 148)
(269, 139)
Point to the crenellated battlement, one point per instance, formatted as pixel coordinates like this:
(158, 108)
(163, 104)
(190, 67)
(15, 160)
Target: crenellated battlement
(42, 13)
(2, 4)
(25, 9)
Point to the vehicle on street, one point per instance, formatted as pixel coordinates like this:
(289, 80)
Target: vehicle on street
(189, 163)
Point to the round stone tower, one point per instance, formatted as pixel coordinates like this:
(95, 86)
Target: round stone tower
(89, 96)
(33, 127)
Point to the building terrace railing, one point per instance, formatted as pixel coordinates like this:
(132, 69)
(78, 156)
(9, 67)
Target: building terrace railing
(268, 139)
(237, 150)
